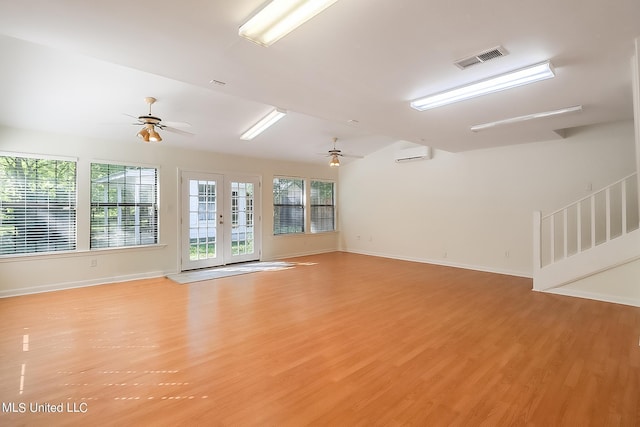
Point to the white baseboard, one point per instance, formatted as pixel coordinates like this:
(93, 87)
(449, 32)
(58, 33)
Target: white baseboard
(445, 263)
(124, 278)
(154, 274)
(79, 284)
(299, 254)
(593, 296)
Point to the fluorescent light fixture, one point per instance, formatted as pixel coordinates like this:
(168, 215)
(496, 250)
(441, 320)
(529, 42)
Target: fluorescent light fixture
(279, 18)
(263, 124)
(509, 80)
(526, 117)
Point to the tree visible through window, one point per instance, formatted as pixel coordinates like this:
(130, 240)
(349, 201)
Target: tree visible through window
(288, 205)
(124, 205)
(322, 206)
(37, 205)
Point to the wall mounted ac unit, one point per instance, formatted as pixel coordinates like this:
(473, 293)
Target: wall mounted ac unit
(409, 154)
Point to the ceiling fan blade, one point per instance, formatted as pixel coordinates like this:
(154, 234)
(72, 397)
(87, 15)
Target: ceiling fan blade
(178, 131)
(351, 156)
(177, 124)
(138, 121)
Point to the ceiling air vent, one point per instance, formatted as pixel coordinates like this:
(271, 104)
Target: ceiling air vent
(481, 57)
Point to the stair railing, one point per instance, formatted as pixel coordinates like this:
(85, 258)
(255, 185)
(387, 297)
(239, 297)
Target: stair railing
(593, 220)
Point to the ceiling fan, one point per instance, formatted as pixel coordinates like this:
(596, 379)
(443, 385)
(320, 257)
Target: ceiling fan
(150, 123)
(335, 155)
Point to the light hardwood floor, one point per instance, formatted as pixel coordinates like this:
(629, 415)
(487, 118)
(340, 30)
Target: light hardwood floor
(349, 340)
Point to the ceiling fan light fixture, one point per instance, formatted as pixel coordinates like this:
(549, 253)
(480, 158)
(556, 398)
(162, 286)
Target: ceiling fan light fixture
(263, 124)
(148, 132)
(520, 77)
(144, 134)
(335, 161)
(279, 18)
(154, 136)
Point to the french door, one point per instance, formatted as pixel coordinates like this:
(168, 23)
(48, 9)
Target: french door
(220, 219)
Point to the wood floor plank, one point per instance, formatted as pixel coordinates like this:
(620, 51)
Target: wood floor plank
(340, 339)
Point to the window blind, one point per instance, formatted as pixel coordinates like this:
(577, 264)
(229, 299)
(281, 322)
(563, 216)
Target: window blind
(288, 205)
(37, 205)
(323, 210)
(124, 205)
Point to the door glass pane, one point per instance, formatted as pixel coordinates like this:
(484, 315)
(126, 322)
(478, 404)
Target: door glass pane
(242, 202)
(202, 219)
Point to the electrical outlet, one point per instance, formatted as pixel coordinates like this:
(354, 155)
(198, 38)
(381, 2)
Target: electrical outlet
(94, 262)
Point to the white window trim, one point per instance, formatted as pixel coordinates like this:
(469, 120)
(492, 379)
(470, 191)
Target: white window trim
(305, 209)
(158, 201)
(335, 205)
(41, 156)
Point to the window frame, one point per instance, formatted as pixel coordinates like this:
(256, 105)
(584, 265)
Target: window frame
(301, 205)
(332, 205)
(154, 205)
(69, 204)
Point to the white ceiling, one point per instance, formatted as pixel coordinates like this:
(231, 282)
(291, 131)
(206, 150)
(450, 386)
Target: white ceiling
(76, 66)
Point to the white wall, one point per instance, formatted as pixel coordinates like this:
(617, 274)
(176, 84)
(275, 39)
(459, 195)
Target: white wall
(474, 209)
(26, 274)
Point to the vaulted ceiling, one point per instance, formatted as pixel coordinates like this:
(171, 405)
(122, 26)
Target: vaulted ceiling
(78, 66)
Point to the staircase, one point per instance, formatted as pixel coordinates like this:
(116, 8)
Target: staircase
(596, 233)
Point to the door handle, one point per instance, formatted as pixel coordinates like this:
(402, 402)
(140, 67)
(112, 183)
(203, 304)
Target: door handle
(221, 221)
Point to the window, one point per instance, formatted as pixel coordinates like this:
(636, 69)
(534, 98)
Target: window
(288, 205)
(323, 210)
(124, 205)
(37, 205)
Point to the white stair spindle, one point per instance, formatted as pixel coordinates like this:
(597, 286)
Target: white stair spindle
(607, 212)
(593, 220)
(579, 227)
(552, 239)
(624, 206)
(565, 226)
